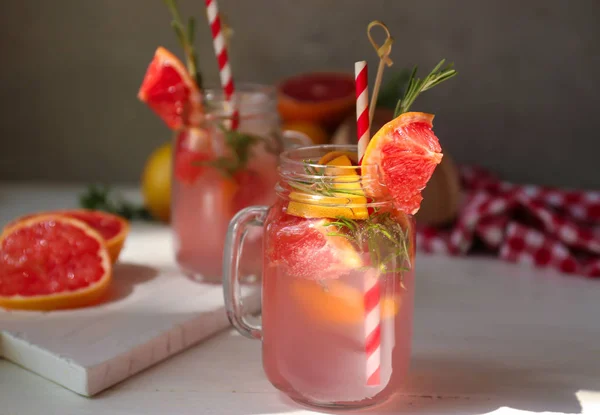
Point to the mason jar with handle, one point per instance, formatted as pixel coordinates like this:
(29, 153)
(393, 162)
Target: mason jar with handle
(225, 164)
(337, 285)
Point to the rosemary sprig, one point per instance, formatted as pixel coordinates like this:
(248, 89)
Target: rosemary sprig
(101, 198)
(185, 35)
(416, 85)
(241, 145)
(380, 236)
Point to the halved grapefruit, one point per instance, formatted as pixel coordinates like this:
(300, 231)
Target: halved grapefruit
(112, 228)
(295, 242)
(406, 152)
(52, 262)
(170, 91)
(324, 98)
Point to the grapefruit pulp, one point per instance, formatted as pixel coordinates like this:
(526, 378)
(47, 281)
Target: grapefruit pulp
(51, 262)
(406, 152)
(169, 90)
(193, 146)
(295, 243)
(112, 228)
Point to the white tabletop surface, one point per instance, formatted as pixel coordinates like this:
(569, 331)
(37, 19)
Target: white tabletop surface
(489, 338)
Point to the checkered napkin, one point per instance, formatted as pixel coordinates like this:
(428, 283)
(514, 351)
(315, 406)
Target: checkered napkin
(539, 226)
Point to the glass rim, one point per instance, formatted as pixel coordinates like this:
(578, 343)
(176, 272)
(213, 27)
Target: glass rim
(214, 94)
(296, 175)
(285, 156)
(244, 87)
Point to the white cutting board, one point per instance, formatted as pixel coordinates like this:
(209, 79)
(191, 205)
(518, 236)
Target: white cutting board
(155, 312)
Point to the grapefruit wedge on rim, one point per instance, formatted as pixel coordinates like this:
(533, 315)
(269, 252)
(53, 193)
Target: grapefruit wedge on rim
(52, 262)
(112, 228)
(406, 152)
(170, 91)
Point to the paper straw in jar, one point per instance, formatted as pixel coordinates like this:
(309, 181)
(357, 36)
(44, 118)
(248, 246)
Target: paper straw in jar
(220, 46)
(361, 82)
(372, 299)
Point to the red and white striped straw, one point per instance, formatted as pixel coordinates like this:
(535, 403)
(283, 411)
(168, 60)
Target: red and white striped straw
(220, 47)
(372, 294)
(361, 78)
(372, 297)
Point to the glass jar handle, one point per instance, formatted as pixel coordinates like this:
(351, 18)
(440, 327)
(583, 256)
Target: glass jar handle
(234, 241)
(296, 139)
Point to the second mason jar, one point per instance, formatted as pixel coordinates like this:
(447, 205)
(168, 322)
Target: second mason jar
(224, 164)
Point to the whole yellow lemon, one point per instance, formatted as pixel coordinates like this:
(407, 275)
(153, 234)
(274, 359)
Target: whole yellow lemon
(156, 183)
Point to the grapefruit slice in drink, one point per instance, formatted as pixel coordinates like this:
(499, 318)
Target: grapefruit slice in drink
(51, 262)
(306, 250)
(192, 148)
(112, 228)
(406, 152)
(170, 91)
(337, 302)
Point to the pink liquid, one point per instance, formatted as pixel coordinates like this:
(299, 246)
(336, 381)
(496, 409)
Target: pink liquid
(314, 331)
(201, 212)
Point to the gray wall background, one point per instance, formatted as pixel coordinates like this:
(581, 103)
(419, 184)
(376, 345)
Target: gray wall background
(525, 103)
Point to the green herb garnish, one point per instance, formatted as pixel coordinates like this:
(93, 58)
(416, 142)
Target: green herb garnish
(380, 235)
(185, 35)
(416, 86)
(383, 238)
(321, 185)
(241, 146)
(100, 198)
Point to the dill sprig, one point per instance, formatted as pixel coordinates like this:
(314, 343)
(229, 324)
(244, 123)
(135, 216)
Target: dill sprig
(382, 237)
(416, 85)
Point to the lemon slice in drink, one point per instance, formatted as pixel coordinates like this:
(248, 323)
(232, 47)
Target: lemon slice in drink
(348, 200)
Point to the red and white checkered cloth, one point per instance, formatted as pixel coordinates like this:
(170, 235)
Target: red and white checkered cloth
(540, 226)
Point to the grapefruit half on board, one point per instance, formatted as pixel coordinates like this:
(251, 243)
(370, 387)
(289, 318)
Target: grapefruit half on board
(405, 152)
(324, 98)
(52, 262)
(112, 228)
(170, 91)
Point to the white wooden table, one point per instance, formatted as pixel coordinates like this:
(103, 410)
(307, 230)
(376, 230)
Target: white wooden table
(490, 338)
